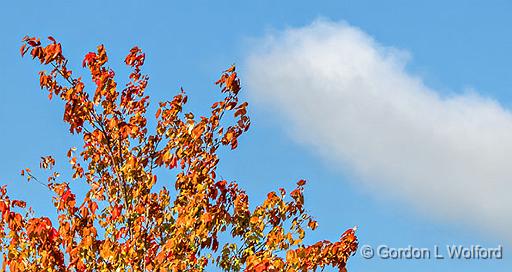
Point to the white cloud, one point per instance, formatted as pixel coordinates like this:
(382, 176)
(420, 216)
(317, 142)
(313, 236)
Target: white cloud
(352, 100)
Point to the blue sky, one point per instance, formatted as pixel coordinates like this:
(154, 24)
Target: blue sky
(452, 47)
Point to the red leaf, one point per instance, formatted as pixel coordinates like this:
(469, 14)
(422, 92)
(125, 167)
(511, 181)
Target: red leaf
(89, 58)
(22, 50)
(116, 212)
(93, 206)
(54, 234)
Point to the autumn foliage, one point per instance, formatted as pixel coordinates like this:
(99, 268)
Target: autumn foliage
(128, 220)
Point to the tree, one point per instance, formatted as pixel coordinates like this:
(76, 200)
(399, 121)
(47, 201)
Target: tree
(128, 221)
